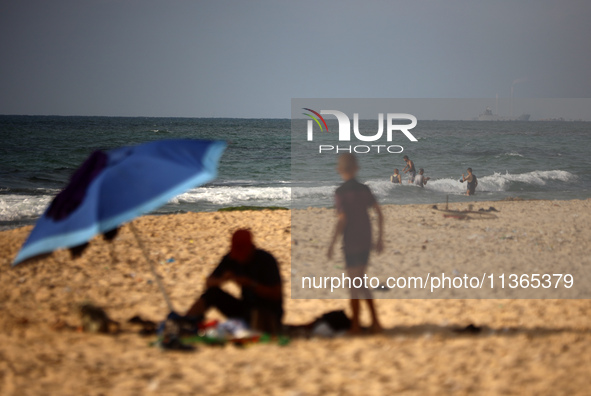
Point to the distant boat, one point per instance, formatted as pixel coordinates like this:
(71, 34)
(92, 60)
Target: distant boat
(489, 116)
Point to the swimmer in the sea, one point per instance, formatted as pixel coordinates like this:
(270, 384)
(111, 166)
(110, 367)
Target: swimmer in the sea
(472, 182)
(396, 178)
(421, 179)
(410, 168)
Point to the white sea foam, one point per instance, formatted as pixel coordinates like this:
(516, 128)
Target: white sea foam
(236, 194)
(448, 186)
(15, 207)
(313, 192)
(384, 188)
(498, 182)
(539, 178)
(228, 195)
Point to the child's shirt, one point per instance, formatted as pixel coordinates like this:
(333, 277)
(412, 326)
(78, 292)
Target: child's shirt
(353, 199)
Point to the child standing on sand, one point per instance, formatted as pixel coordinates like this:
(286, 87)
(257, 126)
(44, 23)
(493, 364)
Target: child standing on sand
(352, 200)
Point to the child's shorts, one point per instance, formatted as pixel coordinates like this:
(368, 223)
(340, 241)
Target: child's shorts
(356, 259)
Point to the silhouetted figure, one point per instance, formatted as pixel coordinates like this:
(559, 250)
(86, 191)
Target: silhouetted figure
(352, 201)
(257, 273)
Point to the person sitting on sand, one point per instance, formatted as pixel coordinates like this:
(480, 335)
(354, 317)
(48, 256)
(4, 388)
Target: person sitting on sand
(410, 168)
(257, 273)
(421, 180)
(472, 182)
(396, 177)
(352, 200)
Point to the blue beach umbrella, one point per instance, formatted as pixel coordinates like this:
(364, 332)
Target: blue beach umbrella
(113, 187)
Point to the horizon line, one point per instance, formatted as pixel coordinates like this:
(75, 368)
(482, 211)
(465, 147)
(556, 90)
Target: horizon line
(280, 118)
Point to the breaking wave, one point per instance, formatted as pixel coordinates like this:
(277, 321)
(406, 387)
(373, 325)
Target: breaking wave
(498, 182)
(279, 193)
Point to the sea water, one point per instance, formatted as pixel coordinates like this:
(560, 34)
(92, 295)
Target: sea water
(531, 160)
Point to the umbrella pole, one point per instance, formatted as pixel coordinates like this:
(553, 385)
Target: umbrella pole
(158, 281)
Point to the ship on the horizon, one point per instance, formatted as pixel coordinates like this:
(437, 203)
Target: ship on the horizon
(489, 116)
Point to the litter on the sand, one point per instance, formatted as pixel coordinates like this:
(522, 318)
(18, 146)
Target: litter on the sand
(470, 329)
(176, 333)
(467, 214)
(95, 320)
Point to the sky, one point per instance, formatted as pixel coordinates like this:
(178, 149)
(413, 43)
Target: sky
(248, 59)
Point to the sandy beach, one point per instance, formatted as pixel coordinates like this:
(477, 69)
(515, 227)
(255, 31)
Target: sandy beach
(527, 346)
